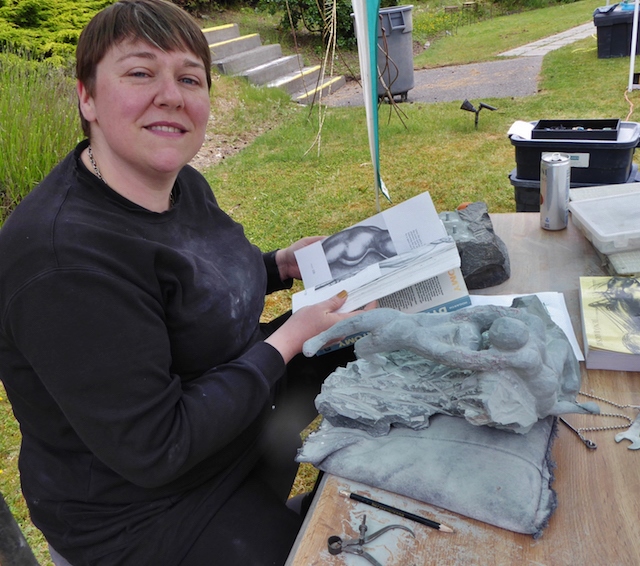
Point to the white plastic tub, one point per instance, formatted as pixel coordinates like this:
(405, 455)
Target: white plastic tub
(611, 223)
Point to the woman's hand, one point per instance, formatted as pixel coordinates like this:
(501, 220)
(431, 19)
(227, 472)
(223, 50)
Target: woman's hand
(308, 322)
(286, 259)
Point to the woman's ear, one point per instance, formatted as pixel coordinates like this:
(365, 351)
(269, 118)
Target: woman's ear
(85, 102)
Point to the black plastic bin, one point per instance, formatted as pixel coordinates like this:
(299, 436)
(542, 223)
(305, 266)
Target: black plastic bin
(594, 162)
(614, 28)
(527, 192)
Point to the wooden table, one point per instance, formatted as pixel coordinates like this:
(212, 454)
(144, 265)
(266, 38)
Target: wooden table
(597, 521)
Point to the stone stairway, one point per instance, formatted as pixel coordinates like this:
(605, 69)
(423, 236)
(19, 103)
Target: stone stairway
(264, 65)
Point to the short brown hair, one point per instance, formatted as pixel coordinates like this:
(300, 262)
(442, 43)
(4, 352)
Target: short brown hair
(156, 22)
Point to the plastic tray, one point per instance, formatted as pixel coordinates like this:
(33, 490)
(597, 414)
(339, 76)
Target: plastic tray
(576, 130)
(610, 223)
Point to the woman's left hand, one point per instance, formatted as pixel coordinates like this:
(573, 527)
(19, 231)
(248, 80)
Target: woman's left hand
(286, 259)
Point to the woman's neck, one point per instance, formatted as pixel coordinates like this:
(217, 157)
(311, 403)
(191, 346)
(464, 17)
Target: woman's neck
(152, 192)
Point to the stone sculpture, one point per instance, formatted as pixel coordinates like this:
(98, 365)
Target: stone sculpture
(484, 259)
(505, 367)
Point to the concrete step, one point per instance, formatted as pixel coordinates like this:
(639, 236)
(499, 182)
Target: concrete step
(240, 62)
(244, 55)
(233, 46)
(274, 70)
(217, 34)
(298, 80)
(313, 95)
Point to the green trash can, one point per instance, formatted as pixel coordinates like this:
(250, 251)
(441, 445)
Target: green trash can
(395, 52)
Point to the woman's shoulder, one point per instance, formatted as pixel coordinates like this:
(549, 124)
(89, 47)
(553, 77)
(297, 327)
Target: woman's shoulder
(39, 208)
(191, 180)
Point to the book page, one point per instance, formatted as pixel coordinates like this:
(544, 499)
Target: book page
(388, 276)
(400, 229)
(315, 295)
(445, 292)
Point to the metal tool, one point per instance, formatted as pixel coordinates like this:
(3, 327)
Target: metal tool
(355, 546)
(588, 443)
(633, 434)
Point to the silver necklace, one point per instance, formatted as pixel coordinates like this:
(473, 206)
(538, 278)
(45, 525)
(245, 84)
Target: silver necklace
(94, 165)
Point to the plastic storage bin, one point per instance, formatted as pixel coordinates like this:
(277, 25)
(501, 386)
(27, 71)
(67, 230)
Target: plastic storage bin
(592, 161)
(610, 223)
(395, 51)
(614, 28)
(527, 192)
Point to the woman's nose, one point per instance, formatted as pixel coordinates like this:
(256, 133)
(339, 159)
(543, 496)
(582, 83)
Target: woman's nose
(169, 93)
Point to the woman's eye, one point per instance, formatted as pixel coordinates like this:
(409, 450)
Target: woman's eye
(190, 81)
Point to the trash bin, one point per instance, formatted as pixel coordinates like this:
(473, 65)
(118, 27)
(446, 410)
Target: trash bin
(614, 27)
(395, 51)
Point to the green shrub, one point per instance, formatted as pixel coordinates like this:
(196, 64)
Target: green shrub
(30, 13)
(47, 29)
(316, 16)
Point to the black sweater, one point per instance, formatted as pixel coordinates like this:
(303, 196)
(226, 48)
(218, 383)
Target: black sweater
(132, 355)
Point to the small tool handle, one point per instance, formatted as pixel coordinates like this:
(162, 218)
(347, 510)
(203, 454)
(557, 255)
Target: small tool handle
(334, 545)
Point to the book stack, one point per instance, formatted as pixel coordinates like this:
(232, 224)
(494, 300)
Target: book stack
(610, 310)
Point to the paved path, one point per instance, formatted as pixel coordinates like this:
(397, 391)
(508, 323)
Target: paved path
(543, 46)
(515, 76)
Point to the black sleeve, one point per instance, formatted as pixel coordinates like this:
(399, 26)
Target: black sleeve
(100, 347)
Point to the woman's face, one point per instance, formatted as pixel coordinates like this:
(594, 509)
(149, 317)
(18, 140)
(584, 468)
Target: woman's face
(150, 108)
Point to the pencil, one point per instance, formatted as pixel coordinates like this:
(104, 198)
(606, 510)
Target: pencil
(399, 512)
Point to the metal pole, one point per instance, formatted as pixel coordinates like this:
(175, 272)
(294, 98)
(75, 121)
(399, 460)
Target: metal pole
(634, 43)
(14, 549)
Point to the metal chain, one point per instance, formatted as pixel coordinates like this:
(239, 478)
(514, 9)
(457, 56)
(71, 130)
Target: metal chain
(579, 431)
(613, 404)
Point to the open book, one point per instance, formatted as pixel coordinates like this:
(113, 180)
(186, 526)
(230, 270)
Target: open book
(402, 257)
(610, 309)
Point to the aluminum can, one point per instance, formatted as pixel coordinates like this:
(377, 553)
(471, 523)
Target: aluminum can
(555, 180)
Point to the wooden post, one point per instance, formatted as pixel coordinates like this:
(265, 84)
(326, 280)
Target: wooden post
(14, 549)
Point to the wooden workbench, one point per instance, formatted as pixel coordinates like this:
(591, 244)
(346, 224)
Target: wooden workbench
(597, 521)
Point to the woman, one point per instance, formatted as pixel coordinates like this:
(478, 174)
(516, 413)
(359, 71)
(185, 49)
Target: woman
(154, 407)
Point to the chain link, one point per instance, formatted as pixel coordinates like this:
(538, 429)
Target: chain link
(612, 403)
(579, 431)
